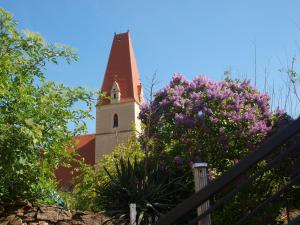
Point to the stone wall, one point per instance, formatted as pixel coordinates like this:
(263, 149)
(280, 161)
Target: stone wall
(22, 212)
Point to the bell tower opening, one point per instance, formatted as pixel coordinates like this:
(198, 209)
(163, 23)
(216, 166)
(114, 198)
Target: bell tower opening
(115, 93)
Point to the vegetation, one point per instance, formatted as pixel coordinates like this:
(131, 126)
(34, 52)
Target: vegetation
(219, 123)
(207, 120)
(35, 113)
(187, 121)
(154, 190)
(90, 179)
(175, 136)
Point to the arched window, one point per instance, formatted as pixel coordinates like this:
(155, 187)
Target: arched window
(116, 121)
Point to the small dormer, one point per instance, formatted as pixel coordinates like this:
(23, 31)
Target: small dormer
(115, 93)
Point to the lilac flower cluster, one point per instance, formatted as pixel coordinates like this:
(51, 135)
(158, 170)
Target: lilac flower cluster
(210, 112)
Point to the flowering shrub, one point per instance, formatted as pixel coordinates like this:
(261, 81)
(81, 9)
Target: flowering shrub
(216, 122)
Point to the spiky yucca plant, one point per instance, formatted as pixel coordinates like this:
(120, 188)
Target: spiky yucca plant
(149, 184)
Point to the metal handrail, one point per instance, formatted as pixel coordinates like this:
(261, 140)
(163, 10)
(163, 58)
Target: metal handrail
(246, 182)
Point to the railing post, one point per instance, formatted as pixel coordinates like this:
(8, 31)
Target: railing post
(132, 207)
(200, 179)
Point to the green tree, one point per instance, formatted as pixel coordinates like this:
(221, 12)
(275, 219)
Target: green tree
(35, 113)
(90, 178)
(219, 123)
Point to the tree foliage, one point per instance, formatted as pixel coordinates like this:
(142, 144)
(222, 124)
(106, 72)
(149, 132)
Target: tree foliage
(216, 122)
(35, 113)
(219, 123)
(91, 178)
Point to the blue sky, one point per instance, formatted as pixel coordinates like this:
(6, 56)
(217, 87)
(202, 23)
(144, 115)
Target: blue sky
(192, 37)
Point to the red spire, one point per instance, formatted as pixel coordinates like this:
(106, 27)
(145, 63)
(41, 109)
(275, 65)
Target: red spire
(122, 68)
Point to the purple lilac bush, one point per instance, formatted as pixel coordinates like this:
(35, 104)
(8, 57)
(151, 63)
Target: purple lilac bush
(214, 121)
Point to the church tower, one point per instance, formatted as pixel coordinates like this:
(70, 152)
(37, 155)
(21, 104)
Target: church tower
(116, 114)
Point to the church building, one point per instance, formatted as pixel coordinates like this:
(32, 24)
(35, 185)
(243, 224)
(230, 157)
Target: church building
(117, 113)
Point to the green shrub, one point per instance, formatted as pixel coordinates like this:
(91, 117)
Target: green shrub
(35, 113)
(154, 188)
(90, 178)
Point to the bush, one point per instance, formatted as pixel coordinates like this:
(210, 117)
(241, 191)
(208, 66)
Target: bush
(216, 122)
(90, 178)
(219, 123)
(154, 189)
(35, 113)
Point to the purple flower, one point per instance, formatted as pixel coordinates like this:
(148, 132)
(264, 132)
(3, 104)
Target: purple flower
(213, 119)
(164, 102)
(235, 109)
(279, 112)
(178, 79)
(181, 119)
(260, 126)
(194, 96)
(245, 84)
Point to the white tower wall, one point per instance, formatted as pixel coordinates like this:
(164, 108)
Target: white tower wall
(108, 137)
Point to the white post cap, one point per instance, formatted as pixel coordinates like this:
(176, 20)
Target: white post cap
(197, 165)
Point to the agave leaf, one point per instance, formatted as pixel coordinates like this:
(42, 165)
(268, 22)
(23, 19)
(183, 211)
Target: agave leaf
(107, 172)
(141, 217)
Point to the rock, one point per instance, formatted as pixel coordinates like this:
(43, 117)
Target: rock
(9, 218)
(16, 221)
(64, 215)
(91, 219)
(78, 214)
(33, 223)
(63, 223)
(24, 213)
(47, 213)
(29, 215)
(3, 222)
(20, 212)
(77, 222)
(104, 220)
(43, 223)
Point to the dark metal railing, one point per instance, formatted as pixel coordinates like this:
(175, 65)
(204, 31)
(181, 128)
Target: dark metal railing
(266, 149)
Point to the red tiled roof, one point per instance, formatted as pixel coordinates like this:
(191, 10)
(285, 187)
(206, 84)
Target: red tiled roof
(122, 68)
(86, 147)
(85, 144)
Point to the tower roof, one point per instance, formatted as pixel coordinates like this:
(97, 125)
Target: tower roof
(122, 68)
